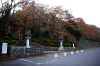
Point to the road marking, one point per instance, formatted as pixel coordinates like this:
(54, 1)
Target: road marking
(37, 62)
(48, 58)
(45, 57)
(27, 61)
(51, 60)
(41, 57)
(47, 62)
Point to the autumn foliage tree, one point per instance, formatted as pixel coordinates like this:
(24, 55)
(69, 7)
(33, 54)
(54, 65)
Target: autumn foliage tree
(7, 10)
(44, 21)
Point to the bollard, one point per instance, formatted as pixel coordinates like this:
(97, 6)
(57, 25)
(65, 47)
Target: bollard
(81, 50)
(65, 53)
(72, 52)
(55, 55)
(77, 51)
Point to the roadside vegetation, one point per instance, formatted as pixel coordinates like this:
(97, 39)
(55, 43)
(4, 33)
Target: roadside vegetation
(45, 23)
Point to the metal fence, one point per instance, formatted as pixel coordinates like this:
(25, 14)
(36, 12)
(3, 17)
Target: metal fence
(87, 43)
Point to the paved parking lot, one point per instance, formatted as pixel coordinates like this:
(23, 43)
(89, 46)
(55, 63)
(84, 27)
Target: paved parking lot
(89, 57)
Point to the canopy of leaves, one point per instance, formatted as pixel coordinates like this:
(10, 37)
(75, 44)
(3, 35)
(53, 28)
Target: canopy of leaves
(45, 22)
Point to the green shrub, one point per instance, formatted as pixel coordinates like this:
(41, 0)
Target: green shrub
(7, 37)
(3, 32)
(44, 40)
(41, 42)
(37, 41)
(33, 39)
(54, 41)
(21, 43)
(4, 41)
(68, 45)
(52, 45)
(45, 34)
(49, 43)
(15, 38)
(36, 34)
(57, 45)
(50, 38)
(14, 42)
(75, 45)
(9, 42)
(10, 35)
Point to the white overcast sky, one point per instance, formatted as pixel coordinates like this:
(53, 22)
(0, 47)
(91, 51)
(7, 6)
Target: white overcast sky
(89, 10)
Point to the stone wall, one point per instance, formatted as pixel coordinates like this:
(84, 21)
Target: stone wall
(19, 52)
(33, 51)
(68, 48)
(56, 48)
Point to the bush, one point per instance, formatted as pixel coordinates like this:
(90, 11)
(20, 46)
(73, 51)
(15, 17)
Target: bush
(9, 42)
(10, 35)
(44, 43)
(4, 41)
(75, 45)
(46, 34)
(54, 41)
(14, 42)
(37, 41)
(37, 34)
(33, 39)
(68, 45)
(57, 45)
(15, 38)
(44, 40)
(41, 42)
(52, 45)
(3, 32)
(21, 43)
(7, 37)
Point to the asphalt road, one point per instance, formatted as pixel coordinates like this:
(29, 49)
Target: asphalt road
(89, 57)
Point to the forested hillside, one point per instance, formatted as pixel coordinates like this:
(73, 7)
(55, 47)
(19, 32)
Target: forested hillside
(46, 22)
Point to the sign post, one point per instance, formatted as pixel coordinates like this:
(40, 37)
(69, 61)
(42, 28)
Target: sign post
(4, 48)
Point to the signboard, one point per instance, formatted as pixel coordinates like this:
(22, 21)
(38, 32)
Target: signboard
(4, 48)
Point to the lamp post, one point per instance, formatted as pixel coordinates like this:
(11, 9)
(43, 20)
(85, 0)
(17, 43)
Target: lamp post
(61, 48)
(28, 36)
